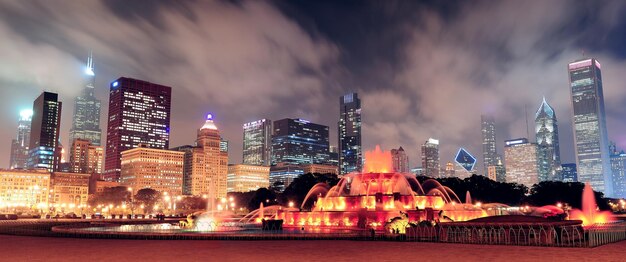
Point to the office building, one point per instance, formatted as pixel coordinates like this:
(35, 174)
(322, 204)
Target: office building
(86, 157)
(488, 130)
(568, 172)
(257, 143)
(590, 133)
(246, 178)
(350, 149)
(430, 158)
(69, 190)
(282, 174)
(139, 113)
(44, 151)
(159, 169)
(25, 188)
(298, 141)
(320, 169)
(547, 134)
(618, 166)
(86, 121)
(521, 162)
(400, 160)
(20, 144)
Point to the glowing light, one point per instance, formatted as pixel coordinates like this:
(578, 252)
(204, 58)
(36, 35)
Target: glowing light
(26, 114)
(115, 84)
(209, 117)
(589, 214)
(377, 161)
(89, 72)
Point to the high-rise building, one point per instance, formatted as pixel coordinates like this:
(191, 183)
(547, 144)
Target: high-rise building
(497, 172)
(257, 143)
(86, 121)
(618, 166)
(139, 113)
(246, 178)
(521, 162)
(159, 169)
(400, 160)
(206, 165)
(86, 157)
(223, 145)
(19, 145)
(430, 158)
(568, 172)
(590, 133)
(488, 129)
(547, 134)
(465, 163)
(44, 136)
(297, 141)
(24, 188)
(350, 150)
(449, 170)
(282, 174)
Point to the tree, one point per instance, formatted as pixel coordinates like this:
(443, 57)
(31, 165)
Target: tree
(262, 195)
(112, 195)
(551, 192)
(483, 189)
(300, 186)
(193, 203)
(242, 198)
(147, 197)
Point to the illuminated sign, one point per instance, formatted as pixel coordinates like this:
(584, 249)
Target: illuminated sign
(516, 141)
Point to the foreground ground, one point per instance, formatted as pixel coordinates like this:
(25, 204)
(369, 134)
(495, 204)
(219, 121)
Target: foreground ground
(20, 248)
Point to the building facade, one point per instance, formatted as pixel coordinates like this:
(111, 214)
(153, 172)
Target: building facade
(86, 121)
(44, 151)
(350, 149)
(86, 157)
(69, 190)
(547, 134)
(257, 143)
(568, 172)
(20, 144)
(521, 162)
(298, 141)
(430, 158)
(159, 169)
(320, 169)
(488, 130)
(282, 174)
(24, 188)
(400, 160)
(618, 166)
(590, 133)
(246, 178)
(139, 113)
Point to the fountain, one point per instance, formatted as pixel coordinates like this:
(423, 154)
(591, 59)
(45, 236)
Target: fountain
(589, 213)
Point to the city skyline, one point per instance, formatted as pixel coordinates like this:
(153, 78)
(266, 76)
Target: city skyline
(390, 128)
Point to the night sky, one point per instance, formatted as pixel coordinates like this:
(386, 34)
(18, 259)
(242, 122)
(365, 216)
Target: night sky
(423, 69)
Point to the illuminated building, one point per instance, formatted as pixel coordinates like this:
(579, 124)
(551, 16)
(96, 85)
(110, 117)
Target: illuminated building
(24, 188)
(568, 172)
(418, 171)
(246, 178)
(19, 145)
(449, 170)
(320, 169)
(430, 158)
(85, 157)
(297, 141)
(69, 190)
(400, 160)
(86, 121)
(98, 186)
(206, 165)
(159, 169)
(521, 162)
(257, 142)
(350, 149)
(590, 133)
(44, 136)
(139, 113)
(223, 145)
(465, 163)
(282, 174)
(618, 166)
(488, 130)
(497, 172)
(547, 134)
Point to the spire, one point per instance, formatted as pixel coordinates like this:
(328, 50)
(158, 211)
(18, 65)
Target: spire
(545, 108)
(89, 70)
(209, 124)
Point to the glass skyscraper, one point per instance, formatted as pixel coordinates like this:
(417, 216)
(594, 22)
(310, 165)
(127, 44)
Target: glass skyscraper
(430, 158)
(86, 121)
(298, 141)
(44, 151)
(547, 134)
(590, 133)
(568, 172)
(19, 145)
(488, 130)
(139, 113)
(618, 166)
(350, 150)
(257, 143)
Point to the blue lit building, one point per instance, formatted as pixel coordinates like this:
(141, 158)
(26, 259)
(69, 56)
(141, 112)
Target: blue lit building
(284, 174)
(298, 141)
(618, 168)
(548, 153)
(44, 134)
(568, 172)
(350, 149)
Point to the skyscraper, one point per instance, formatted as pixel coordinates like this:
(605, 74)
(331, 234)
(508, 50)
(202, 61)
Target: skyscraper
(400, 160)
(521, 162)
(19, 145)
(85, 157)
(257, 143)
(86, 121)
(568, 172)
(430, 158)
(547, 134)
(490, 154)
(618, 166)
(44, 136)
(465, 163)
(139, 113)
(590, 133)
(350, 150)
(298, 141)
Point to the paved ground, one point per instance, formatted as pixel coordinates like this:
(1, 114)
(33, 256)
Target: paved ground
(20, 248)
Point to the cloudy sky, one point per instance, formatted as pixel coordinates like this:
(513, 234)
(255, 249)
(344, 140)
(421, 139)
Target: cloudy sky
(423, 68)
